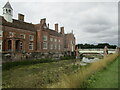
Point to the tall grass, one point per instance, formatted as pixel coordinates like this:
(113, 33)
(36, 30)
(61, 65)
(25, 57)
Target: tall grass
(77, 80)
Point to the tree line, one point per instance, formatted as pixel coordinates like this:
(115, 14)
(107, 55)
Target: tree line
(98, 46)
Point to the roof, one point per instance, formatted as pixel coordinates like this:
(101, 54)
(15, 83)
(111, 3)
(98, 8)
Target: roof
(69, 35)
(18, 24)
(7, 5)
(50, 31)
(54, 33)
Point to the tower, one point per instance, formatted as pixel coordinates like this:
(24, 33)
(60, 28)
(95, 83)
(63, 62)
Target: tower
(8, 12)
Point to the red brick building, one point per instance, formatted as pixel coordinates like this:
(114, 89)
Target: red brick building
(19, 39)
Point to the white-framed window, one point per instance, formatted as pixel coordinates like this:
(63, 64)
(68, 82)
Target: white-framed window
(1, 33)
(59, 47)
(51, 39)
(11, 34)
(44, 45)
(45, 38)
(0, 45)
(51, 46)
(55, 40)
(55, 46)
(30, 46)
(72, 42)
(59, 40)
(22, 36)
(21, 45)
(31, 37)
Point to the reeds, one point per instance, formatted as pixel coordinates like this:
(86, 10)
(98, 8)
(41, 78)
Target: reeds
(76, 80)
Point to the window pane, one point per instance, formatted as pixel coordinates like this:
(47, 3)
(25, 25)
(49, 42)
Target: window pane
(31, 37)
(45, 38)
(44, 45)
(1, 33)
(30, 46)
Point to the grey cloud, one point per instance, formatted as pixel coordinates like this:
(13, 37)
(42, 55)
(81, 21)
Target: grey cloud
(91, 22)
(95, 28)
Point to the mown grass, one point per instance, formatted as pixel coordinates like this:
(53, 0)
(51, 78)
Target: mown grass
(107, 78)
(77, 80)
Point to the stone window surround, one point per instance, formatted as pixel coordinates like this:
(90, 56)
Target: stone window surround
(11, 34)
(51, 46)
(23, 35)
(31, 37)
(59, 40)
(59, 47)
(0, 45)
(31, 46)
(45, 45)
(55, 40)
(1, 33)
(21, 45)
(45, 38)
(51, 39)
(55, 46)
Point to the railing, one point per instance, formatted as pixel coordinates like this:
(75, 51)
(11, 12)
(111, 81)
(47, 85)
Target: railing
(96, 50)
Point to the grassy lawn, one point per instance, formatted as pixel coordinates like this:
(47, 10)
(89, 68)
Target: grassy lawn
(107, 78)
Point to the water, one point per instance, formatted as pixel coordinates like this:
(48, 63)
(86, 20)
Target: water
(85, 61)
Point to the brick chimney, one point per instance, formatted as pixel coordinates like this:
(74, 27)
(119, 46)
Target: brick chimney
(43, 21)
(56, 27)
(21, 17)
(62, 30)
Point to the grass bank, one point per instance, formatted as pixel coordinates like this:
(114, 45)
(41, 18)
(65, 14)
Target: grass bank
(107, 78)
(37, 75)
(77, 80)
(9, 65)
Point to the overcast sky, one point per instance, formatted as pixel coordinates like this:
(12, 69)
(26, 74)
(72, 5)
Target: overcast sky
(92, 22)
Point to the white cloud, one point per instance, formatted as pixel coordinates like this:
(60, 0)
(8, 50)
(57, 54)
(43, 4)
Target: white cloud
(92, 22)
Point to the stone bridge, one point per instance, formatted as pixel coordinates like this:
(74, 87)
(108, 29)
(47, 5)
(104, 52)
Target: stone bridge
(95, 51)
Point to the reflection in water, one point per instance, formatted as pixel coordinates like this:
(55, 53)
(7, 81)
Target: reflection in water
(86, 60)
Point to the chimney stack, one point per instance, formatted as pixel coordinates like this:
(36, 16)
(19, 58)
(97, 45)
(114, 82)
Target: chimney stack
(62, 30)
(48, 25)
(43, 21)
(21, 17)
(56, 27)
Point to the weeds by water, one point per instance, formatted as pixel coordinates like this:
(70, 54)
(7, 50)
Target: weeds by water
(9, 65)
(78, 79)
(60, 74)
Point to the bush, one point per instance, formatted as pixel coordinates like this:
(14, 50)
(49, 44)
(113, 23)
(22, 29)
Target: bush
(9, 65)
(67, 57)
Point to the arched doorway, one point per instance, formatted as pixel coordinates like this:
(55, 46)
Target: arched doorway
(9, 45)
(17, 45)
